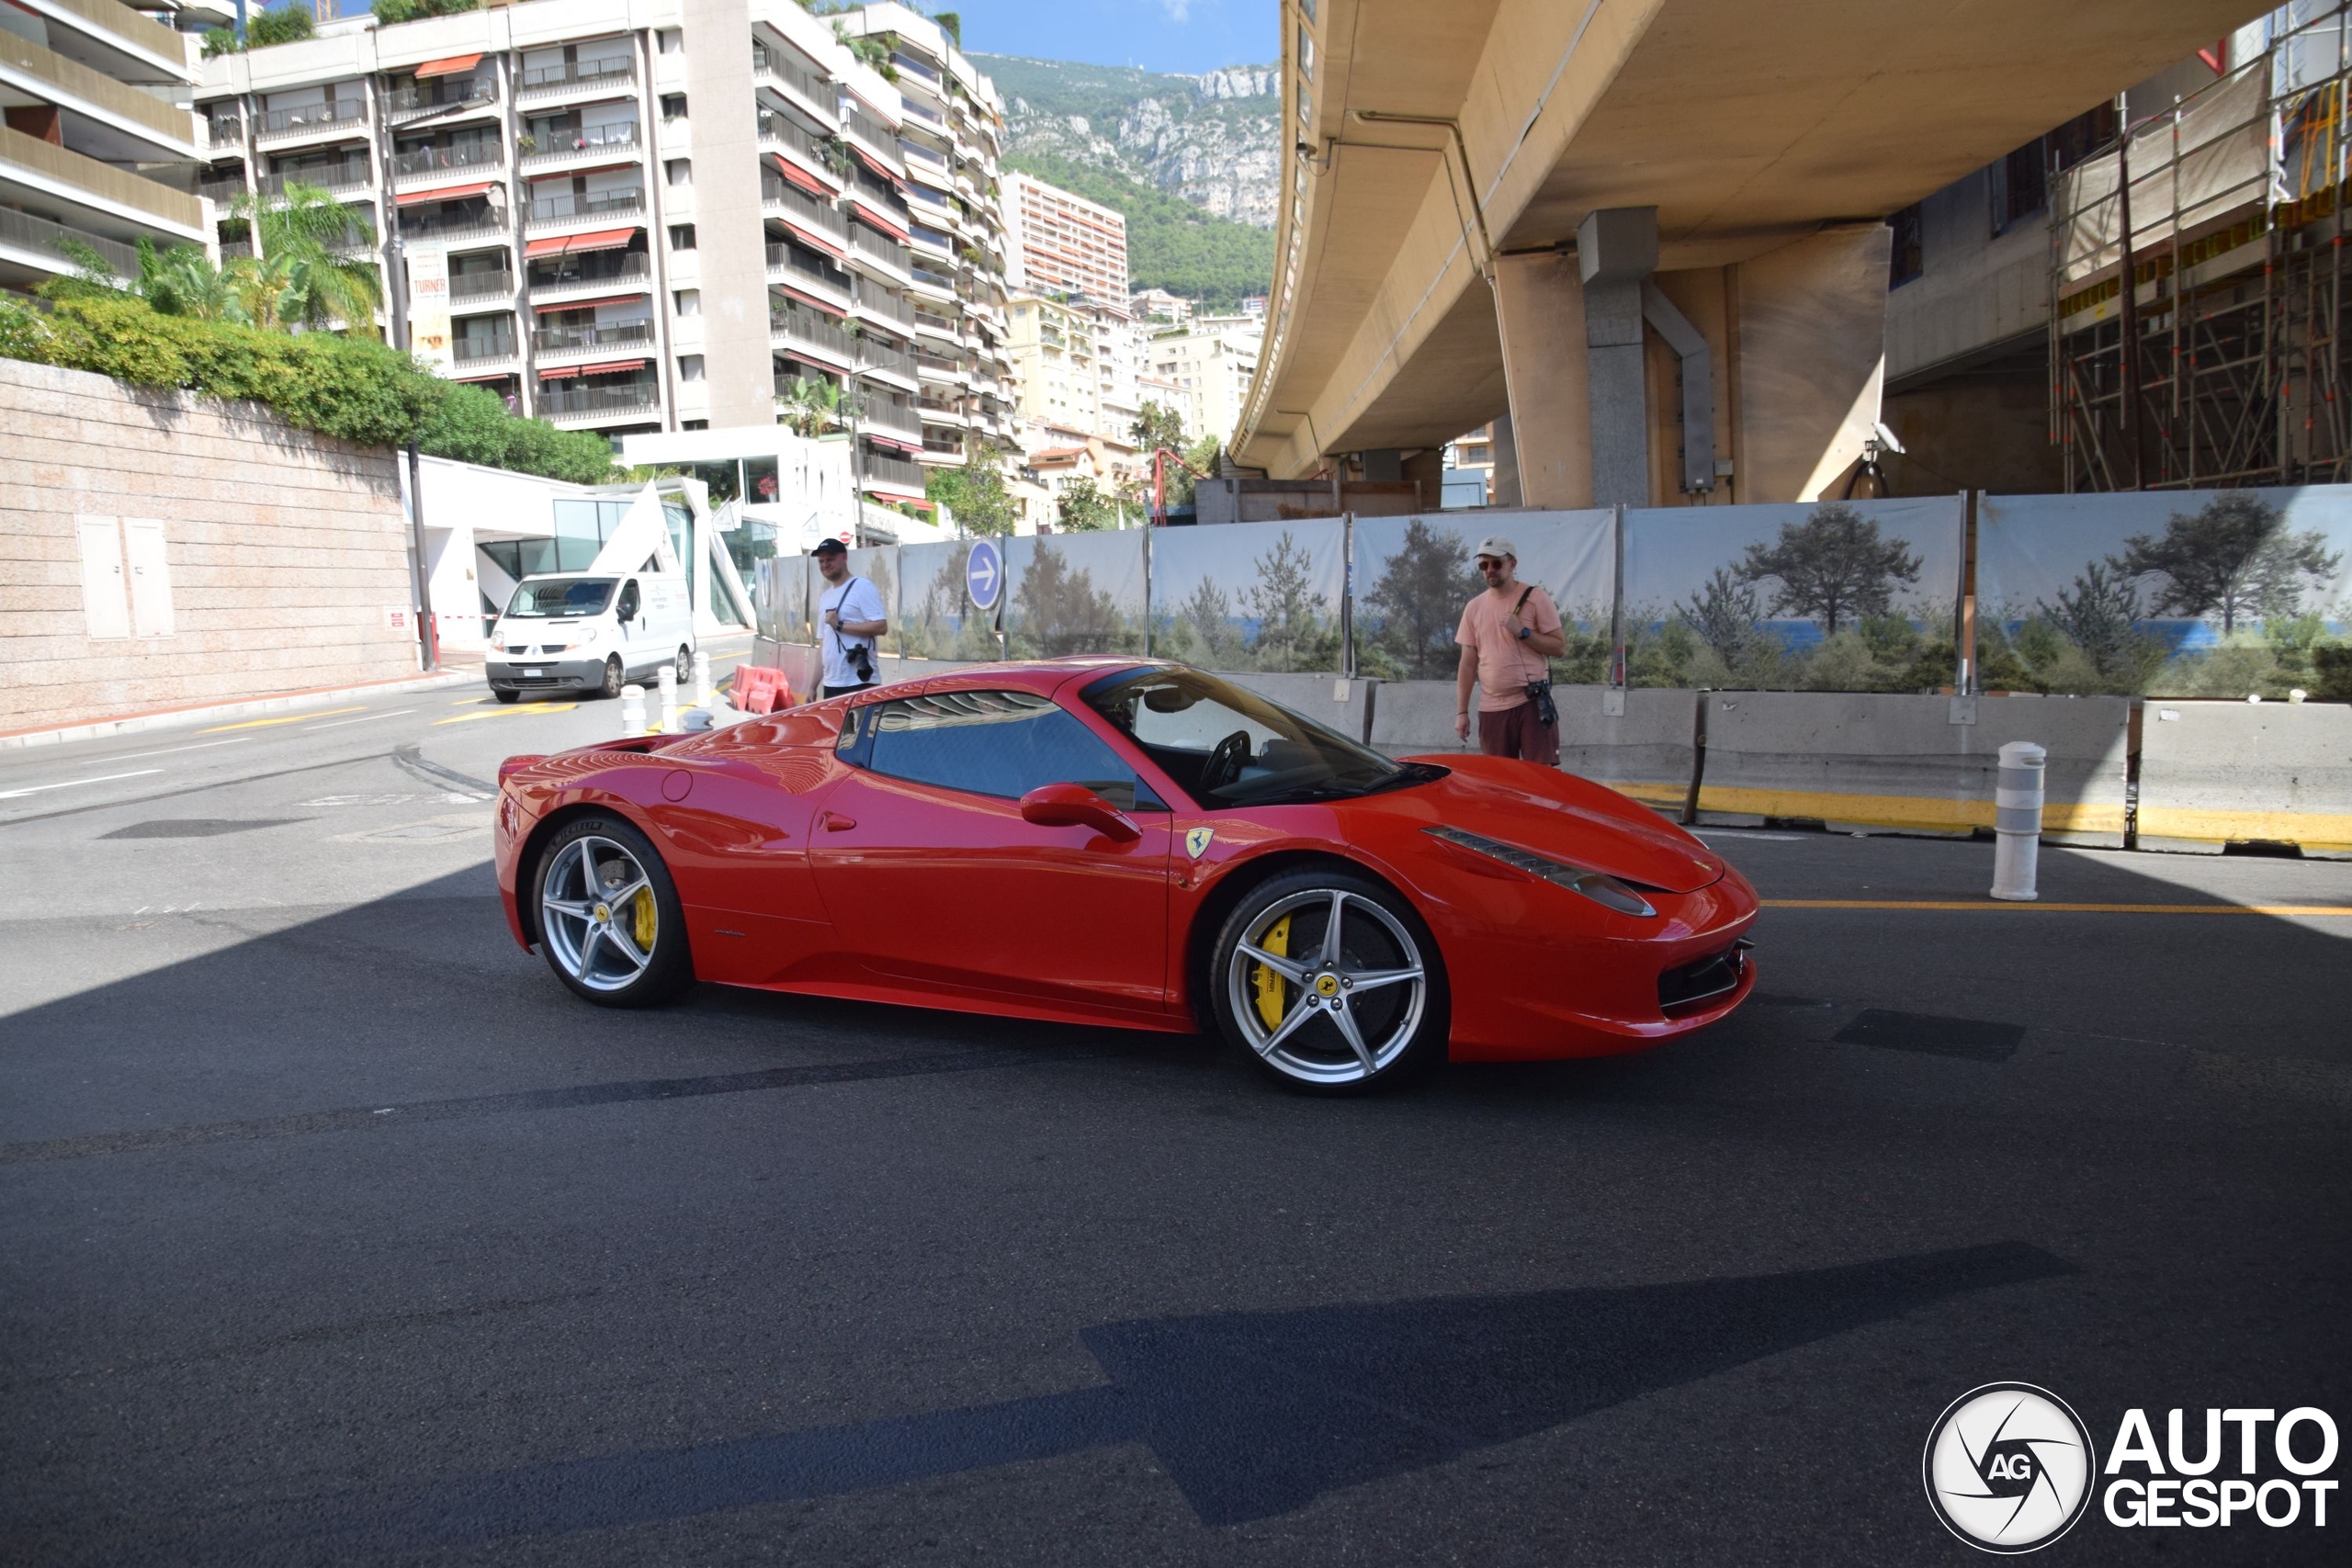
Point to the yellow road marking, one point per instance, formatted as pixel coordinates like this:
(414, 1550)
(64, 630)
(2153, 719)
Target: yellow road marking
(509, 711)
(2345, 909)
(282, 718)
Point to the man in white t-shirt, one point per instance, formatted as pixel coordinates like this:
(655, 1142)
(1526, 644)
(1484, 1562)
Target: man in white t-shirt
(852, 615)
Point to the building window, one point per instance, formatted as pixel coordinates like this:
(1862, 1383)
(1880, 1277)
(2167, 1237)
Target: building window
(674, 106)
(682, 236)
(671, 40)
(1906, 260)
(679, 171)
(2019, 185)
(690, 367)
(694, 424)
(688, 302)
(1306, 53)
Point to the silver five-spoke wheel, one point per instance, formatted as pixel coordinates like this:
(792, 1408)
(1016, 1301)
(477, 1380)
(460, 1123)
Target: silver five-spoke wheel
(598, 913)
(1327, 985)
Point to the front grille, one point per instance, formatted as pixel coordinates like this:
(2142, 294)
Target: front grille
(1702, 980)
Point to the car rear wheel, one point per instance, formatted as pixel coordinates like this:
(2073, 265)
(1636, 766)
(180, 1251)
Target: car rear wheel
(609, 918)
(1330, 982)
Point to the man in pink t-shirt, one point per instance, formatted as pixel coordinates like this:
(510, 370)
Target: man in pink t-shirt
(1509, 634)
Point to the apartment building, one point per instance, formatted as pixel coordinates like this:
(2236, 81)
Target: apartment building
(98, 136)
(1053, 349)
(1158, 304)
(1211, 364)
(657, 216)
(1062, 243)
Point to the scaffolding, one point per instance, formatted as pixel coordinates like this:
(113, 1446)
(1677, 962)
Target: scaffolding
(2224, 365)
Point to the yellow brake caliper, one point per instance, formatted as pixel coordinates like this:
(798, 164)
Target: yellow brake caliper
(1267, 985)
(642, 907)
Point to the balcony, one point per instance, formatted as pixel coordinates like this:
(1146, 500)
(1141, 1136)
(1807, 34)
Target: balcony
(789, 75)
(787, 266)
(896, 473)
(225, 133)
(222, 193)
(555, 344)
(445, 93)
(349, 117)
(457, 228)
(623, 272)
(588, 145)
(936, 324)
(779, 134)
(923, 277)
(938, 367)
(806, 330)
(880, 359)
(482, 352)
(880, 250)
(598, 405)
(876, 138)
(23, 231)
(351, 176)
(783, 199)
(941, 410)
(555, 211)
(873, 302)
(414, 167)
(880, 414)
(465, 286)
(582, 76)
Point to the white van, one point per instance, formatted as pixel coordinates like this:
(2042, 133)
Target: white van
(591, 632)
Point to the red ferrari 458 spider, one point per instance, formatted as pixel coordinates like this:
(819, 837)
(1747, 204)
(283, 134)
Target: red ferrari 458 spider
(1117, 841)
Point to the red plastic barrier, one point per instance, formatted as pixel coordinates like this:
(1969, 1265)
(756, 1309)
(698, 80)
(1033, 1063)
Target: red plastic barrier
(757, 690)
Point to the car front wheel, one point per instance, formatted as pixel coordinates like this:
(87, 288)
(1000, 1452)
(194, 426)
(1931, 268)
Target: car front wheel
(613, 677)
(609, 918)
(1330, 982)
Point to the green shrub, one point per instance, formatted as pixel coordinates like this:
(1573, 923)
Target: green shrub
(473, 426)
(390, 13)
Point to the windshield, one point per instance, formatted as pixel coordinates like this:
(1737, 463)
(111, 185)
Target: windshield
(1229, 746)
(561, 596)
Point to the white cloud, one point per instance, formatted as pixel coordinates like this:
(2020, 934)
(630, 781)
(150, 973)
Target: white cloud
(1177, 11)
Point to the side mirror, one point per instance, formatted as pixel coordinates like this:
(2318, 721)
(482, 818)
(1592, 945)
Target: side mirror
(1075, 805)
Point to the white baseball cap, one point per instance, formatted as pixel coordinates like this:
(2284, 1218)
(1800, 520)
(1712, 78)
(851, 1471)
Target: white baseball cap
(1495, 545)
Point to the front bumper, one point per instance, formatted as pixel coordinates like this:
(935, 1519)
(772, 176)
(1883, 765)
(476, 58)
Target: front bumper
(508, 674)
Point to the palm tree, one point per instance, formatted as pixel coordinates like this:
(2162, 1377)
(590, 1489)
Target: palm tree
(303, 278)
(809, 406)
(182, 281)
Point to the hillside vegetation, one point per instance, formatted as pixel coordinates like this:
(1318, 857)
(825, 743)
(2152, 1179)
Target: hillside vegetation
(1170, 243)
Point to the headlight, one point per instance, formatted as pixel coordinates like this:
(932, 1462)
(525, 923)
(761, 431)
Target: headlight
(1598, 886)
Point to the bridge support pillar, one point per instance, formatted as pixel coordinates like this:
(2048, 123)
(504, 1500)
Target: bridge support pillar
(1812, 360)
(1539, 303)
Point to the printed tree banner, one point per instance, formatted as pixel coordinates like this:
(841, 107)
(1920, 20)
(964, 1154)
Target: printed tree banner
(1414, 575)
(1074, 594)
(936, 618)
(1828, 596)
(780, 597)
(2189, 594)
(1250, 596)
(879, 564)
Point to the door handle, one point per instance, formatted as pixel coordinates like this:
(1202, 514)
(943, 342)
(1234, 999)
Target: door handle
(834, 822)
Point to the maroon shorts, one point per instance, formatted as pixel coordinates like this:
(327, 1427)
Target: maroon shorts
(1514, 732)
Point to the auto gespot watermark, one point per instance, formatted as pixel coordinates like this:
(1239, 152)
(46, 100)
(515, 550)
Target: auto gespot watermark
(2009, 1468)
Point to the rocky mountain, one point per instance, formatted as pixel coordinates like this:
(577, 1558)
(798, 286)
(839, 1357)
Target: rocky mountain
(1211, 140)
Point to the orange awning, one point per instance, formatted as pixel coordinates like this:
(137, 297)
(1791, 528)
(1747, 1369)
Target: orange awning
(801, 176)
(612, 365)
(485, 376)
(592, 304)
(816, 241)
(557, 375)
(443, 193)
(874, 163)
(866, 215)
(602, 239)
(457, 65)
(831, 311)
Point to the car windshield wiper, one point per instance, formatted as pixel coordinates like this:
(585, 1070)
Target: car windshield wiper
(1406, 776)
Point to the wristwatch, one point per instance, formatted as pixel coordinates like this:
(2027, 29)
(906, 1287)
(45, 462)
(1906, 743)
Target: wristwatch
(1526, 632)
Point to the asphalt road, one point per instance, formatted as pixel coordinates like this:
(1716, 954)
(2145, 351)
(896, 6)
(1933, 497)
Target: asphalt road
(332, 1229)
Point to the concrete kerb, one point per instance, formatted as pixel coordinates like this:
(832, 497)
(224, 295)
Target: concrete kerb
(1864, 762)
(248, 707)
(2215, 774)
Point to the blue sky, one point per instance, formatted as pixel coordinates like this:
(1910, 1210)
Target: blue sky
(1189, 36)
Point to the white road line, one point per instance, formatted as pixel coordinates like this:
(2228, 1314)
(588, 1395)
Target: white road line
(363, 718)
(68, 783)
(134, 756)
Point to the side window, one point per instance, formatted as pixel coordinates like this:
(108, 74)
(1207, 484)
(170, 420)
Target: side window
(999, 743)
(629, 601)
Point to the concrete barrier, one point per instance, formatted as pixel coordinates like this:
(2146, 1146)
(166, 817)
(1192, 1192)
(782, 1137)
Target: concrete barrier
(1893, 764)
(1337, 703)
(2213, 774)
(1644, 752)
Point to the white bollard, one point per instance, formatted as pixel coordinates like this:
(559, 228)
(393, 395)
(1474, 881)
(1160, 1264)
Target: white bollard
(632, 711)
(669, 683)
(702, 679)
(2017, 820)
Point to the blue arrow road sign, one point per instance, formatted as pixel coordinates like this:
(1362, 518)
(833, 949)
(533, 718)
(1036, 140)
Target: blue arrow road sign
(984, 575)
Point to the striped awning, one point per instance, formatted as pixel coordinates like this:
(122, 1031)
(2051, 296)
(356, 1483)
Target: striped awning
(612, 366)
(800, 176)
(832, 313)
(592, 304)
(868, 215)
(816, 240)
(444, 192)
(871, 161)
(456, 65)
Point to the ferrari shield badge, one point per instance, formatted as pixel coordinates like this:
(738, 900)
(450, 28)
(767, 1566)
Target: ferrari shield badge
(1196, 841)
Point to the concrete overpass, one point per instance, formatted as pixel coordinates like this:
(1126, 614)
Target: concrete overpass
(1432, 274)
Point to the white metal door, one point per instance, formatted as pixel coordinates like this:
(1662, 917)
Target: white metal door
(105, 606)
(151, 577)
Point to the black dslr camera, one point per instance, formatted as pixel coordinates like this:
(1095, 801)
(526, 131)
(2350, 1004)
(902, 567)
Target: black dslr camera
(1548, 712)
(861, 660)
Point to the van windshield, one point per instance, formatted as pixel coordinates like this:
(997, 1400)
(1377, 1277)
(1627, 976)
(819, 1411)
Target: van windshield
(561, 596)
